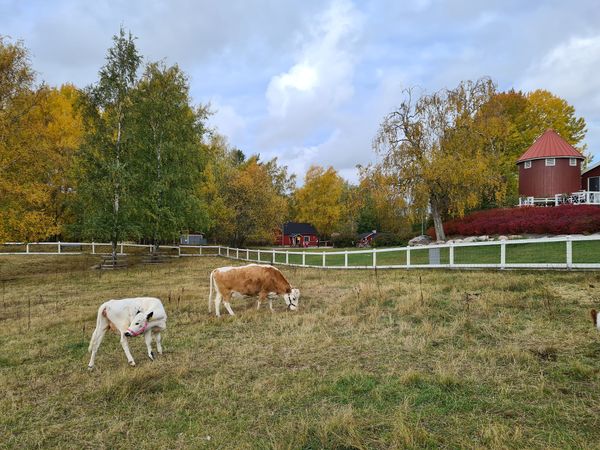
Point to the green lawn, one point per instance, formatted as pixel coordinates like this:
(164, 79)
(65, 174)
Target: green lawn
(390, 359)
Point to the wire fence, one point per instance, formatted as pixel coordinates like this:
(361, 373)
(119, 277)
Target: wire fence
(564, 252)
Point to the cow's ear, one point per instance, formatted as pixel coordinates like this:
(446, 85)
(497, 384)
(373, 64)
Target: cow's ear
(149, 316)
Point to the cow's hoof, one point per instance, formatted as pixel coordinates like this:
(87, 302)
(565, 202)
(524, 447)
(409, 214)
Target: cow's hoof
(151, 356)
(132, 363)
(90, 367)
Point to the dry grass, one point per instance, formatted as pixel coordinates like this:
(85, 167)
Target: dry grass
(371, 360)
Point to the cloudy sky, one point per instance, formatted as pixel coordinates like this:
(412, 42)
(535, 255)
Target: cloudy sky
(309, 81)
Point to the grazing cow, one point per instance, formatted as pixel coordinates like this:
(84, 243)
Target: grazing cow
(253, 279)
(130, 317)
(595, 318)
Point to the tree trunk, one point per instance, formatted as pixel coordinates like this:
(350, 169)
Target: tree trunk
(437, 220)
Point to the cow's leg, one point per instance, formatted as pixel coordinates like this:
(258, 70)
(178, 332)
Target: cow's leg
(97, 337)
(125, 345)
(158, 338)
(148, 339)
(228, 305)
(218, 298)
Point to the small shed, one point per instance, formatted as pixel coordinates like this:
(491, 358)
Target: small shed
(550, 166)
(192, 239)
(365, 239)
(296, 234)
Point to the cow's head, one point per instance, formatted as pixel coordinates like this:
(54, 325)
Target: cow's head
(139, 324)
(292, 299)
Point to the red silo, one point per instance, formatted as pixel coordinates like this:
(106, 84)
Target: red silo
(550, 166)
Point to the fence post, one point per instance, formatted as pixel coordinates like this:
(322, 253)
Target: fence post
(200, 251)
(179, 251)
(451, 254)
(374, 257)
(247, 255)
(273, 256)
(58, 247)
(27, 249)
(258, 257)
(121, 248)
(346, 258)
(502, 255)
(303, 258)
(569, 252)
(287, 256)
(407, 256)
(93, 248)
(237, 253)
(228, 252)
(323, 258)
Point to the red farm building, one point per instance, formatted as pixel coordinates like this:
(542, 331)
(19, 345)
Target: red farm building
(365, 239)
(590, 178)
(550, 174)
(296, 234)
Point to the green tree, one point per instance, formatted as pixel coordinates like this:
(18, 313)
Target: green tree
(105, 185)
(166, 134)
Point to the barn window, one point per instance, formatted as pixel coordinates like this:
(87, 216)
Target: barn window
(306, 238)
(550, 161)
(594, 184)
(528, 164)
(572, 161)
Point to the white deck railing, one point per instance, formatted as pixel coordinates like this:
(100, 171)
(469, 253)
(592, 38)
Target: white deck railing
(576, 198)
(563, 252)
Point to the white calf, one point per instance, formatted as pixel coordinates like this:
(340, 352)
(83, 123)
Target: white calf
(130, 317)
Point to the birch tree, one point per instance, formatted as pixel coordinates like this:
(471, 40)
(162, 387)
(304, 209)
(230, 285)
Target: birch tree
(104, 189)
(167, 153)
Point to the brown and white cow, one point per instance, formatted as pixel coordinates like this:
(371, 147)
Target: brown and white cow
(253, 279)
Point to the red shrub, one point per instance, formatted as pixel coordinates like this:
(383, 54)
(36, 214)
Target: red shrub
(566, 219)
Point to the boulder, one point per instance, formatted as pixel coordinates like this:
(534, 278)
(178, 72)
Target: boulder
(420, 240)
(483, 238)
(470, 239)
(502, 238)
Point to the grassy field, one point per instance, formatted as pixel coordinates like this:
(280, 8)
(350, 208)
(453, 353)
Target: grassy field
(386, 359)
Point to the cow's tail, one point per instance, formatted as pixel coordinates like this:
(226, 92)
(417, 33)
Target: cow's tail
(101, 323)
(210, 291)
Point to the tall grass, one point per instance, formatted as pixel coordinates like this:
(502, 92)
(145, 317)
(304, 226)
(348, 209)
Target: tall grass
(386, 359)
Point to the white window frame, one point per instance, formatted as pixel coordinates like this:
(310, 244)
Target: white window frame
(550, 162)
(527, 164)
(573, 161)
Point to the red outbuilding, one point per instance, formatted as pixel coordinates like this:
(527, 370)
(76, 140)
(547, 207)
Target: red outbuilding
(295, 234)
(590, 178)
(549, 167)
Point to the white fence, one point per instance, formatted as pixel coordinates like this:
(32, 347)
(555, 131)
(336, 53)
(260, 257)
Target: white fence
(565, 252)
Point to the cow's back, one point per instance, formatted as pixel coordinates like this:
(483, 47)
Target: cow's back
(252, 279)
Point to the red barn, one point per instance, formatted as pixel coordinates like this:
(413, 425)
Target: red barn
(590, 178)
(550, 166)
(296, 234)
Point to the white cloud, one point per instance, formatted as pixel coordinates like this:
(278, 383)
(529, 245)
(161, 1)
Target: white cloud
(227, 121)
(570, 70)
(309, 92)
